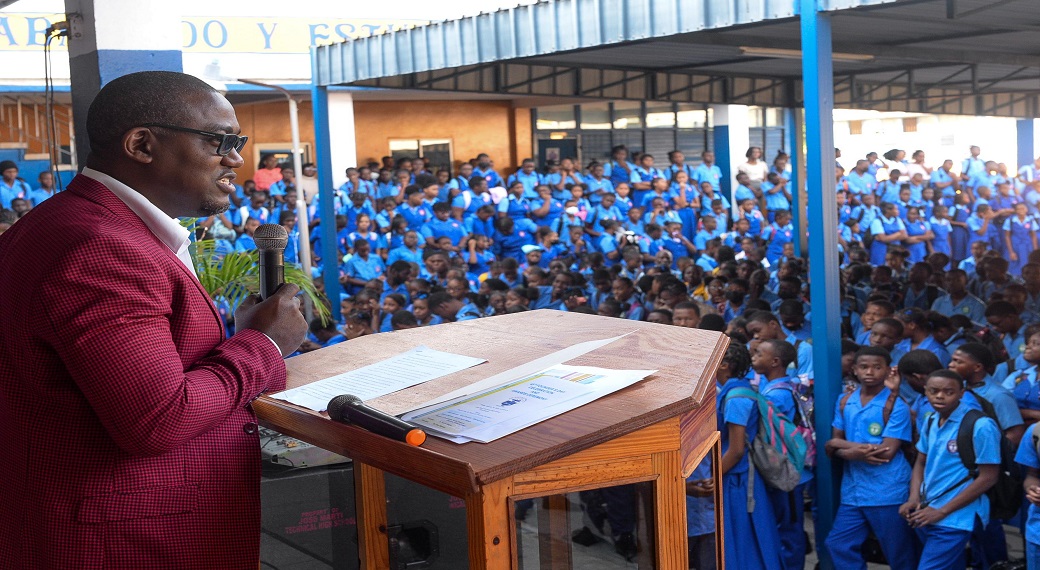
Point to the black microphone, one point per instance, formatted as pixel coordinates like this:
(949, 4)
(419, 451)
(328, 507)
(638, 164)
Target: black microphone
(271, 240)
(349, 410)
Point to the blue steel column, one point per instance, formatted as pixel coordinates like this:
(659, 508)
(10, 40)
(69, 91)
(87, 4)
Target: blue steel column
(326, 206)
(791, 142)
(818, 78)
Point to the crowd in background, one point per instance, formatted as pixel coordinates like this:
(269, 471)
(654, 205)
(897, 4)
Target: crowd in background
(940, 290)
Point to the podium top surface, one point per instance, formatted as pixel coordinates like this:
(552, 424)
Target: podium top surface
(685, 359)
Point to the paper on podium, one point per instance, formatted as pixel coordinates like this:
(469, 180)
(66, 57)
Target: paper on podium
(416, 366)
(521, 402)
(526, 369)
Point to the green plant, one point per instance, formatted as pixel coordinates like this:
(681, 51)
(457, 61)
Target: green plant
(234, 276)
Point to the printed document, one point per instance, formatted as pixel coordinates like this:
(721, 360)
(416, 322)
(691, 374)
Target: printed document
(421, 364)
(521, 402)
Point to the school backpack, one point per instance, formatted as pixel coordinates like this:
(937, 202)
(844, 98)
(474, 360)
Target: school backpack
(778, 450)
(1005, 497)
(804, 417)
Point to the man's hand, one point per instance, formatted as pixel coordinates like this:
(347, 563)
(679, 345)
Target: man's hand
(278, 317)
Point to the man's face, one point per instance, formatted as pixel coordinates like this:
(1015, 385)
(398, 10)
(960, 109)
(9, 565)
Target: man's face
(872, 315)
(436, 264)
(685, 318)
(708, 157)
(10, 174)
(762, 331)
(883, 336)
(621, 291)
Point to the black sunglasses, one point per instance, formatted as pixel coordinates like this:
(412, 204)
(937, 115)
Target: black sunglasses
(228, 142)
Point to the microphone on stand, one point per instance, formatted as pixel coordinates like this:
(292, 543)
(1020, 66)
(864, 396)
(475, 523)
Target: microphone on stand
(349, 410)
(271, 240)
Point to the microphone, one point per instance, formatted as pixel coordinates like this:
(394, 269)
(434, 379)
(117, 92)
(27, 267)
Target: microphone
(349, 410)
(271, 240)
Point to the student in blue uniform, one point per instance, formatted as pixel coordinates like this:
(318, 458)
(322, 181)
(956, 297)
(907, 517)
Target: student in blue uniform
(917, 334)
(777, 234)
(443, 226)
(1019, 237)
(918, 235)
(747, 513)
(1028, 458)
(887, 230)
(871, 424)
(771, 359)
(1023, 383)
(946, 502)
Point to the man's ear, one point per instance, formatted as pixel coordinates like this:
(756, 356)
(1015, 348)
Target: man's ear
(139, 145)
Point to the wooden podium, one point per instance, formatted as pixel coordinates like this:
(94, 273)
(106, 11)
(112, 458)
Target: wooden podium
(657, 430)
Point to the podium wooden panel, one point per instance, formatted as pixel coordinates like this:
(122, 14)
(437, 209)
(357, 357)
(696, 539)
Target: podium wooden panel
(657, 430)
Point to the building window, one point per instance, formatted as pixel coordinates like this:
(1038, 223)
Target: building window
(437, 152)
(910, 125)
(855, 127)
(628, 115)
(556, 118)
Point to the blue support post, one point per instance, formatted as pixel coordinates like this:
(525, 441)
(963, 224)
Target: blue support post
(326, 205)
(720, 139)
(791, 142)
(1024, 129)
(818, 84)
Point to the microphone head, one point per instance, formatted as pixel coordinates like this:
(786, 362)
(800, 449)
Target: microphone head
(337, 404)
(270, 236)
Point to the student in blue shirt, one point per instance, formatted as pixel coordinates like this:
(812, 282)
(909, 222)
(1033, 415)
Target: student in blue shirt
(677, 163)
(708, 232)
(11, 186)
(545, 209)
(516, 204)
(451, 309)
(870, 427)
(409, 251)
(1028, 458)
(510, 240)
(412, 209)
(361, 268)
(483, 223)
(708, 171)
(621, 169)
(771, 359)
(46, 188)
(888, 190)
(478, 256)
(1005, 319)
(946, 500)
(483, 170)
(778, 197)
(776, 234)
(527, 177)
(443, 225)
(245, 241)
(861, 180)
(917, 334)
(624, 292)
(747, 512)
(456, 185)
(598, 185)
(358, 205)
(465, 204)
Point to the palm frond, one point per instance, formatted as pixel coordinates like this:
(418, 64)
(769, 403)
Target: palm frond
(233, 276)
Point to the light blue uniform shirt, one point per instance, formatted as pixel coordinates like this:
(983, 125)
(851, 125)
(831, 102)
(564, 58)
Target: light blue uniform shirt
(944, 474)
(929, 344)
(1027, 457)
(866, 424)
(1003, 401)
(970, 306)
(700, 511)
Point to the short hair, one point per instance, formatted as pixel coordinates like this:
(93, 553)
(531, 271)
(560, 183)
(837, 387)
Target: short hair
(1000, 309)
(874, 351)
(441, 207)
(883, 304)
(890, 322)
(783, 350)
(712, 322)
(915, 316)
(140, 98)
(919, 362)
(945, 373)
(689, 305)
(791, 307)
(849, 347)
(763, 317)
(437, 299)
(979, 353)
(403, 318)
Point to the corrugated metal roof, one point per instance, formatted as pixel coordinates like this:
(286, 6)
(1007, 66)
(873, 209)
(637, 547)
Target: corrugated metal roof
(548, 27)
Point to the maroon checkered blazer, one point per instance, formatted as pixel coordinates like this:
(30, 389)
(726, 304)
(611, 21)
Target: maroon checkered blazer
(124, 412)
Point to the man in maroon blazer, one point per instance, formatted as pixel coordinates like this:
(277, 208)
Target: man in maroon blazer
(123, 408)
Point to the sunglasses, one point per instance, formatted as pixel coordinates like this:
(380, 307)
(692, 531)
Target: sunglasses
(228, 141)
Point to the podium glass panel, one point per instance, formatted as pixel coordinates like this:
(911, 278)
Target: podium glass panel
(609, 528)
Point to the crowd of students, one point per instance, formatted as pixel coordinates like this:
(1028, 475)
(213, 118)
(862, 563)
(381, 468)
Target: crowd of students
(940, 316)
